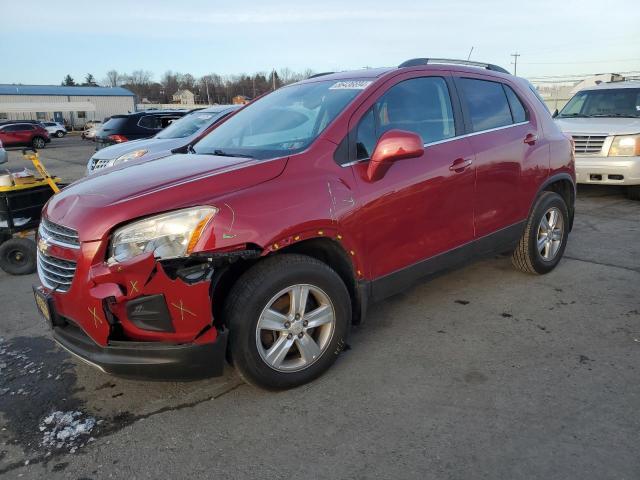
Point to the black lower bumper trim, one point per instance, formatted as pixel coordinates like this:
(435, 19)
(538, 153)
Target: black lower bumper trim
(146, 360)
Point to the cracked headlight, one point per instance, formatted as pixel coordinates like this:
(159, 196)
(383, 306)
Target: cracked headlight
(169, 235)
(127, 157)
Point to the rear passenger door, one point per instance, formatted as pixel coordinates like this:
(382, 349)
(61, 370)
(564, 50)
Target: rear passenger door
(500, 127)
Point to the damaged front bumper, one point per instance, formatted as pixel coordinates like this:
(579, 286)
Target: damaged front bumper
(148, 360)
(138, 318)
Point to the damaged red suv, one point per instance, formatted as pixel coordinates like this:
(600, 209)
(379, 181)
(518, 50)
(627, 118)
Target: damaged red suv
(267, 242)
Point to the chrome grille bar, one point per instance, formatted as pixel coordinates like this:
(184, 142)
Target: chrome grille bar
(589, 143)
(58, 235)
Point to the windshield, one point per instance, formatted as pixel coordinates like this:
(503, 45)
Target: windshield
(618, 102)
(283, 122)
(190, 124)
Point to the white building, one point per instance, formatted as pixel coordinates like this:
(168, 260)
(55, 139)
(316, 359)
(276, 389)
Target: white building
(73, 105)
(184, 97)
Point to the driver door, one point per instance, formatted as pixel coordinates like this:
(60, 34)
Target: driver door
(422, 207)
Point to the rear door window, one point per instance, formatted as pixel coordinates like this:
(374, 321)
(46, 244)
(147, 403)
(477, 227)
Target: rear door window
(420, 105)
(149, 121)
(486, 103)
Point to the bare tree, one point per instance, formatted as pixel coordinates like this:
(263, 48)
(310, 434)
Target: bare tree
(112, 79)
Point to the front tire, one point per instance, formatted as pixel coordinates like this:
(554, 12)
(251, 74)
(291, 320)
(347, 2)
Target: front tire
(288, 320)
(545, 237)
(59, 134)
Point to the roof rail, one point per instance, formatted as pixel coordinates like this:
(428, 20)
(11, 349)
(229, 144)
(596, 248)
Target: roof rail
(428, 61)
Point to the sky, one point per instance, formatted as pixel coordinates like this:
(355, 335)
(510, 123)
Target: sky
(42, 41)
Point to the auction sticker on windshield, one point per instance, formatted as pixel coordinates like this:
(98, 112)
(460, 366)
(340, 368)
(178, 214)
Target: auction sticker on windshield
(351, 85)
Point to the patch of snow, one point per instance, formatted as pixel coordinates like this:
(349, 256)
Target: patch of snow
(66, 430)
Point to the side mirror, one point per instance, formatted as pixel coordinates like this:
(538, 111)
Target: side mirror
(555, 113)
(393, 145)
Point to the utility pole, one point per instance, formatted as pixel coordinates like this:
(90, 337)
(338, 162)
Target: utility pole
(206, 84)
(273, 78)
(254, 85)
(515, 63)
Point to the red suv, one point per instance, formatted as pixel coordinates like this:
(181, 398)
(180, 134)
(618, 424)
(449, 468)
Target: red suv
(268, 241)
(24, 135)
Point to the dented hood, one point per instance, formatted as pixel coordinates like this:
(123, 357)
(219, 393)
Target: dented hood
(96, 204)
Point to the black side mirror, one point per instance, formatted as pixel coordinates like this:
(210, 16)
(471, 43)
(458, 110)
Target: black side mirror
(555, 113)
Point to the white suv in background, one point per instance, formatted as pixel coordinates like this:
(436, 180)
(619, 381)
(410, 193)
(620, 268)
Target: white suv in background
(55, 129)
(604, 122)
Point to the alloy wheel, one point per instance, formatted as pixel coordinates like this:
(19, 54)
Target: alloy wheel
(550, 234)
(295, 328)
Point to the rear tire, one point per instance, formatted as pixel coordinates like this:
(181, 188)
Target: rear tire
(272, 342)
(59, 134)
(18, 256)
(633, 192)
(38, 143)
(545, 236)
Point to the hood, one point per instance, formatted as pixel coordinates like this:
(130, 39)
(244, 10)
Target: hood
(599, 125)
(153, 145)
(95, 204)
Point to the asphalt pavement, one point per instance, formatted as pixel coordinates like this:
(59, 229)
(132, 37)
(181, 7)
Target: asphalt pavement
(483, 373)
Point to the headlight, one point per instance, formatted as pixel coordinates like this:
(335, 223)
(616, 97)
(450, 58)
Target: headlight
(169, 235)
(128, 157)
(625, 146)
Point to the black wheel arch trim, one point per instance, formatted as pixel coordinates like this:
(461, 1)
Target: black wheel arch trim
(553, 179)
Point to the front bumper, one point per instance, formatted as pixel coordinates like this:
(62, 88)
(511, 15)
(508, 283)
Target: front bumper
(608, 170)
(148, 360)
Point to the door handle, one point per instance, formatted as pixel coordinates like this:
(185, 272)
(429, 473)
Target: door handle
(530, 139)
(460, 164)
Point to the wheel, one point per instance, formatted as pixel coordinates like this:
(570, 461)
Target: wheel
(59, 134)
(288, 320)
(545, 237)
(18, 256)
(633, 192)
(38, 143)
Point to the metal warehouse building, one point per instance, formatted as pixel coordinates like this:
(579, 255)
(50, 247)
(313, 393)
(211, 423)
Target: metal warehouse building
(72, 105)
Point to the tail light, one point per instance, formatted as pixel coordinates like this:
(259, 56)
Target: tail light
(118, 138)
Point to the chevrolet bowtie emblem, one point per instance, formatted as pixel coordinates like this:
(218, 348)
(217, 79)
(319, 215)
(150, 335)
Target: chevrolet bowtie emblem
(43, 246)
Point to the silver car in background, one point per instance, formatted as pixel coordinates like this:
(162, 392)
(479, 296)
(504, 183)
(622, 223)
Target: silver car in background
(173, 139)
(604, 122)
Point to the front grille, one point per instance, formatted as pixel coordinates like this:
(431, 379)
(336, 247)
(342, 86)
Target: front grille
(55, 273)
(58, 235)
(98, 163)
(588, 143)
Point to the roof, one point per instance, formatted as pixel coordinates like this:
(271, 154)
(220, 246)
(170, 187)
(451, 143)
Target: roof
(612, 85)
(64, 91)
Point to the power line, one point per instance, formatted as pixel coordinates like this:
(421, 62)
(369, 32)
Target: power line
(581, 63)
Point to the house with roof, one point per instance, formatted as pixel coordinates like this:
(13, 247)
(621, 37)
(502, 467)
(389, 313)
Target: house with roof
(184, 97)
(74, 106)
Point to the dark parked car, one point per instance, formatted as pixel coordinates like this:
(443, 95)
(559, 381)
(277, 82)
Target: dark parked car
(173, 139)
(269, 241)
(133, 126)
(24, 135)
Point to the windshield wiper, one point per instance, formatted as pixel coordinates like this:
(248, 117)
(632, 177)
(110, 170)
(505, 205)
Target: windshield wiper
(622, 115)
(222, 153)
(572, 115)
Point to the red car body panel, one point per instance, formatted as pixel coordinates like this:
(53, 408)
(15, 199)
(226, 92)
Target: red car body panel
(23, 137)
(460, 190)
